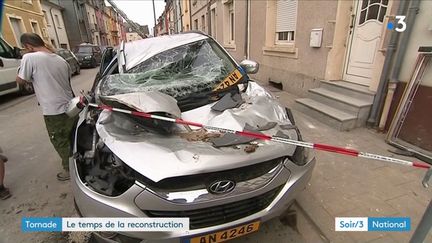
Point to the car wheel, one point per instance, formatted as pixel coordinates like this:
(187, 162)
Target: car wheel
(94, 63)
(26, 89)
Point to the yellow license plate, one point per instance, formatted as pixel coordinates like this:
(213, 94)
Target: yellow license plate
(228, 234)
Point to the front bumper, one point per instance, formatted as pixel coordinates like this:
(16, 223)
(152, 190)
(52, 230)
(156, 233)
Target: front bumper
(292, 179)
(85, 62)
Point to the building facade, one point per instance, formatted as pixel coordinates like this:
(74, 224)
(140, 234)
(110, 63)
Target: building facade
(99, 7)
(303, 45)
(185, 15)
(76, 22)
(20, 17)
(132, 36)
(91, 22)
(55, 25)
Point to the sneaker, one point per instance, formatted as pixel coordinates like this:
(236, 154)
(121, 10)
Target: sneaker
(3, 158)
(5, 193)
(63, 176)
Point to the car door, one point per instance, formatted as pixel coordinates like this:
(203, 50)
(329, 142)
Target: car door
(71, 60)
(8, 69)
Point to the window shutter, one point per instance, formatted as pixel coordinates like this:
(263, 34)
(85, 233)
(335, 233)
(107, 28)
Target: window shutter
(286, 15)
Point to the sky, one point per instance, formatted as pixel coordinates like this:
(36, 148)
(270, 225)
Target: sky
(141, 11)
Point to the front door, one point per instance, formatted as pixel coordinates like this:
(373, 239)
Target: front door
(365, 38)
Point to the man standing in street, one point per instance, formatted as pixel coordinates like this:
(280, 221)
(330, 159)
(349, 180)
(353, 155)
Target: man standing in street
(50, 76)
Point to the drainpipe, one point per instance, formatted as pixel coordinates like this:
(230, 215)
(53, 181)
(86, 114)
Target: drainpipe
(383, 83)
(246, 43)
(248, 27)
(190, 15)
(412, 13)
(55, 28)
(77, 18)
(208, 15)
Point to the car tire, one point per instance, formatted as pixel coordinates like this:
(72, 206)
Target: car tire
(94, 63)
(26, 89)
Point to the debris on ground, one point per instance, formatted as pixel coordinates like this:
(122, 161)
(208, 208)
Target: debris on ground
(228, 101)
(251, 148)
(78, 237)
(199, 135)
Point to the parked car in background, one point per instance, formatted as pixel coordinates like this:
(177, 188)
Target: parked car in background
(88, 55)
(10, 60)
(128, 166)
(71, 59)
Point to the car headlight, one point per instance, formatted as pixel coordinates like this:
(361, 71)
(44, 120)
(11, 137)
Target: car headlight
(87, 57)
(98, 167)
(301, 154)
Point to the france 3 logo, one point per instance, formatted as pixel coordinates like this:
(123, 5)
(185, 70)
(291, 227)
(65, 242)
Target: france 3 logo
(399, 24)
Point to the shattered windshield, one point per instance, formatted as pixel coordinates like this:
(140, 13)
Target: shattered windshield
(190, 71)
(83, 49)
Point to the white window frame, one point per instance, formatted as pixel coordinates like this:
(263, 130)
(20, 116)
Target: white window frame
(273, 46)
(23, 28)
(213, 19)
(57, 19)
(196, 24)
(290, 38)
(231, 26)
(44, 33)
(38, 31)
(46, 18)
(229, 20)
(203, 23)
(290, 32)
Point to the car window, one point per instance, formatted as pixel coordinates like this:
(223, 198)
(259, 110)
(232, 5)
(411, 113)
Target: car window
(83, 49)
(61, 53)
(67, 54)
(5, 50)
(192, 71)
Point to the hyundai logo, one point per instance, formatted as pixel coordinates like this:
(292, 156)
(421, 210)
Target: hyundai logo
(221, 187)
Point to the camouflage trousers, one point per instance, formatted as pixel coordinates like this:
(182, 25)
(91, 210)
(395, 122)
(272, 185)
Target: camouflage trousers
(59, 129)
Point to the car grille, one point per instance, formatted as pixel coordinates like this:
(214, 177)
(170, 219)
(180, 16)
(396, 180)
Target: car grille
(200, 181)
(206, 217)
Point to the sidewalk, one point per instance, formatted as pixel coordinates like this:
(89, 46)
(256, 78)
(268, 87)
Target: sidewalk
(344, 186)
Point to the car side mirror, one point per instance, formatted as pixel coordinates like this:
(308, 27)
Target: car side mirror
(17, 52)
(250, 67)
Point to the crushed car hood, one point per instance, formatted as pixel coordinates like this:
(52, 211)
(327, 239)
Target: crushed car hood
(159, 156)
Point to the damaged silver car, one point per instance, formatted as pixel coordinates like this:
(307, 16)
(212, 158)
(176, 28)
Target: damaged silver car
(132, 166)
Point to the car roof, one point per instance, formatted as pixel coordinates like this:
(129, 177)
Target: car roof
(86, 45)
(141, 50)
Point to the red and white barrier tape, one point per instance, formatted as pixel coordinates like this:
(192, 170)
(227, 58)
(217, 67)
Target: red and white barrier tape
(317, 146)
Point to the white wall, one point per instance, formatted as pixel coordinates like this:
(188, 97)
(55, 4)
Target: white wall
(60, 27)
(91, 16)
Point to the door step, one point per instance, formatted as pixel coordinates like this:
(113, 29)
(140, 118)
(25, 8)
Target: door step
(339, 104)
(336, 118)
(349, 89)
